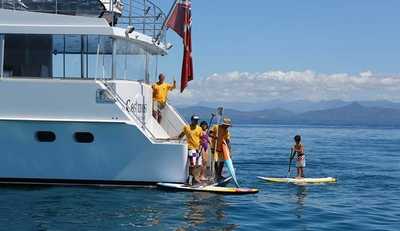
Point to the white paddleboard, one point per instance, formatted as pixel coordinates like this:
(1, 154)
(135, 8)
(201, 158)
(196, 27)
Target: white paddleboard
(299, 181)
(207, 188)
(213, 188)
(222, 182)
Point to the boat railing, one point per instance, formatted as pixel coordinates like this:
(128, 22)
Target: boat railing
(174, 120)
(142, 15)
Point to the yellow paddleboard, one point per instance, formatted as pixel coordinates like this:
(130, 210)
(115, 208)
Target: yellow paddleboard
(299, 181)
(210, 189)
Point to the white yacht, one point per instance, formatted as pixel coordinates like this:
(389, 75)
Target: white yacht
(75, 94)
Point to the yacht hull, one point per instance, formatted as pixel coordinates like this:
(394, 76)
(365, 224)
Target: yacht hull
(118, 155)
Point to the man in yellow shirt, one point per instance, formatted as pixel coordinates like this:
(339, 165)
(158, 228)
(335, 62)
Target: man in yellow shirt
(219, 134)
(193, 133)
(160, 95)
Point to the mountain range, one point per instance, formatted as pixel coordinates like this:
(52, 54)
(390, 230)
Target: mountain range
(338, 113)
(297, 106)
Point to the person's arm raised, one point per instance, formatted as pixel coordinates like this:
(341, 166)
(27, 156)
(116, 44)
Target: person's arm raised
(173, 84)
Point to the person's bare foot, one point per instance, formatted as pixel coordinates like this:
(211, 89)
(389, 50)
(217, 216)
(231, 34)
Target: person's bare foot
(196, 182)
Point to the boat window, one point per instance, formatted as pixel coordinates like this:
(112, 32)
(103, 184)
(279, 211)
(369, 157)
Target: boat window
(75, 56)
(69, 7)
(130, 61)
(45, 136)
(59, 56)
(82, 56)
(1, 55)
(28, 55)
(83, 137)
(152, 69)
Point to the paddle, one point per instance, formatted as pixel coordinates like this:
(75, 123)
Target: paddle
(211, 121)
(212, 159)
(291, 156)
(229, 163)
(226, 151)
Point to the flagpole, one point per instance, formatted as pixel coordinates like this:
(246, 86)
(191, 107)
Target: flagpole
(166, 20)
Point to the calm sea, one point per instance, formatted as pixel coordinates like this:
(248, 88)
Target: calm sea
(366, 162)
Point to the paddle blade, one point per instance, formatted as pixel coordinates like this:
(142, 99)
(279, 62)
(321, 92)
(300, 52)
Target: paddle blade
(228, 162)
(225, 151)
(229, 165)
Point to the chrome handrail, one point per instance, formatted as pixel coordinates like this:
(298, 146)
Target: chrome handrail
(179, 117)
(121, 101)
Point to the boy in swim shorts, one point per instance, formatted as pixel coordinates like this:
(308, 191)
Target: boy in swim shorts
(193, 133)
(298, 151)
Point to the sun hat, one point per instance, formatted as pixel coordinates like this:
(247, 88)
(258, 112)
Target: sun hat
(227, 121)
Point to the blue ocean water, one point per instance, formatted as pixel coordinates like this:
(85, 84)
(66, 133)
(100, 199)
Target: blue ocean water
(366, 162)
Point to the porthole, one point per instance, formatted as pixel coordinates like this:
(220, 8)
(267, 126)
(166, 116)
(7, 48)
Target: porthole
(84, 137)
(45, 136)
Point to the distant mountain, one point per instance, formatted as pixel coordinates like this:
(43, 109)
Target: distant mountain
(243, 117)
(380, 103)
(350, 114)
(298, 106)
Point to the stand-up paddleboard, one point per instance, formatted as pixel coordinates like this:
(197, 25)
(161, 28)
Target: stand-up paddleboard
(299, 181)
(222, 182)
(219, 183)
(213, 188)
(209, 188)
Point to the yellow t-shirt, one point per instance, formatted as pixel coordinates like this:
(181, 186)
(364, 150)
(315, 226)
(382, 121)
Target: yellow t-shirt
(193, 136)
(160, 92)
(223, 134)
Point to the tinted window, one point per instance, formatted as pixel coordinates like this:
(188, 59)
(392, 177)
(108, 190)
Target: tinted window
(84, 137)
(45, 136)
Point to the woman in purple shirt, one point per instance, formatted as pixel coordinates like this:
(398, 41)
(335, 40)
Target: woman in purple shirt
(204, 142)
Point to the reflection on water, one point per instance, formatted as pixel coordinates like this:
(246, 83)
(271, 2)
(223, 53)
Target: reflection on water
(300, 210)
(206, 210)
(57, 208)
(195, 214)
(300, 196)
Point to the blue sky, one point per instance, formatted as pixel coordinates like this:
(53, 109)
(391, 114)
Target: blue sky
(325, 37)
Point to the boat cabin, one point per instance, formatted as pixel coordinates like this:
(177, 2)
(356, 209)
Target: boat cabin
(69, 39)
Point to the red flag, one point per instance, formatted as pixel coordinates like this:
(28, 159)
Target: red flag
(180, 21)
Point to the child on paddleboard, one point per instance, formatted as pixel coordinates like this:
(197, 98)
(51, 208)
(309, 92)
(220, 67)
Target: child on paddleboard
(298, 152)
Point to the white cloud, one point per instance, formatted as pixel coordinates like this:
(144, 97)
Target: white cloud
(247, 87)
